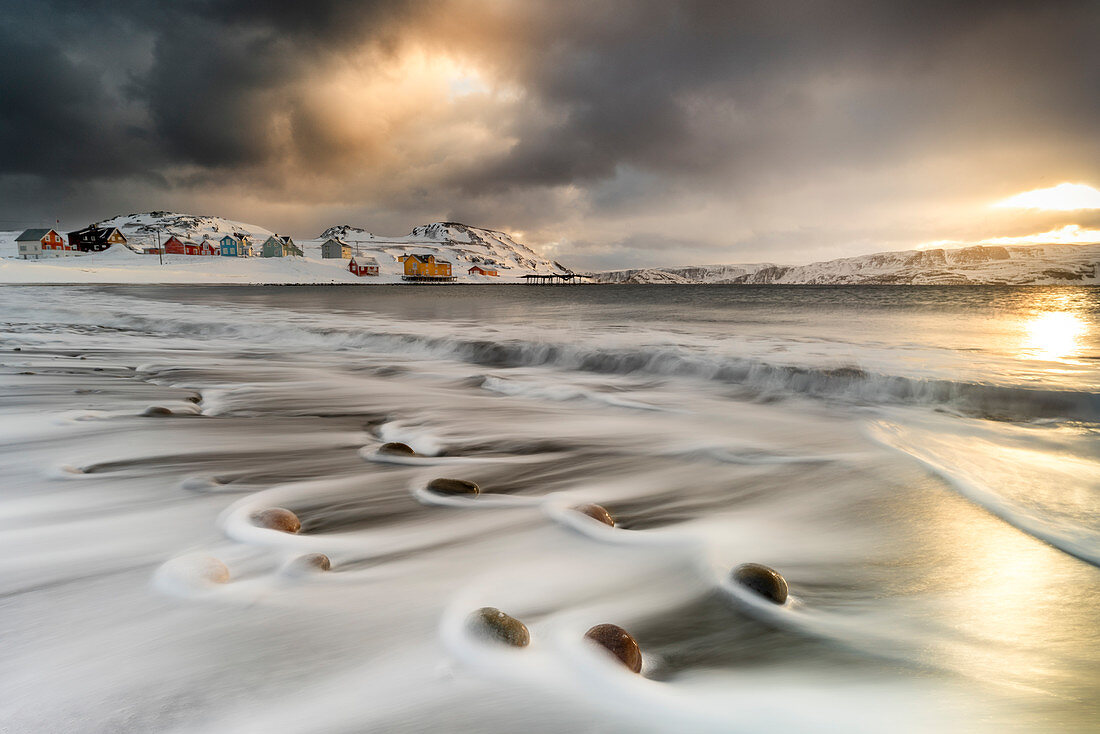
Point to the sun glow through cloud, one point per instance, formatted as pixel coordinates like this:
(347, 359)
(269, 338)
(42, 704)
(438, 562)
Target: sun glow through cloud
(1071, 234)
(1063, 197)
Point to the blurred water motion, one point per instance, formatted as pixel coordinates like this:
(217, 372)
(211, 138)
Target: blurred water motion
(928, 483)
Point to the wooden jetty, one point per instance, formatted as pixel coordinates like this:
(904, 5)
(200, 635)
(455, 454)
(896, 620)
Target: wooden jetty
(553, 278)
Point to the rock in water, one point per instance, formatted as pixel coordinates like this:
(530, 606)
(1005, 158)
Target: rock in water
(596, 512)
(453, 486)
(394, 447)
(619, 643)
(767, 582)
(212, 570)
(278, 519)
(310, 562)
(493, 624)
(157, 410)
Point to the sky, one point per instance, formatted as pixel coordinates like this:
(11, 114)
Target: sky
(604, 134)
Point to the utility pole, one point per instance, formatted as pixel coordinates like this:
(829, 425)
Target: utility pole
(160, 252)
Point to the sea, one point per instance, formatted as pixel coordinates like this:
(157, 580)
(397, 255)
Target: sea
(920, 464)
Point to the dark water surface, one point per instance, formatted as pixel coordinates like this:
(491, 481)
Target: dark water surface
(921, 464)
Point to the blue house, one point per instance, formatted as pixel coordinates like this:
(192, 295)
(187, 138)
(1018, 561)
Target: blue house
(231, 246)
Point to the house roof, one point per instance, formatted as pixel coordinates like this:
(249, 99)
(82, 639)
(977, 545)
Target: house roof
(364, 260)
(33, 234)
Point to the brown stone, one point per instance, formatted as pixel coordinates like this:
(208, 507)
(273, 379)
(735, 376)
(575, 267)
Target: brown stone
(596, 512)
(213, 570)
(453, 486)
(157, 410)
(310, 562)
(619, 643)
(278, 519)
(394, 447)
(493, 624)
(765, 581)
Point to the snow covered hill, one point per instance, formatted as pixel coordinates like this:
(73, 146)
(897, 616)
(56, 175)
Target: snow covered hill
(141, 229)
(1015, 265)
(461, 244)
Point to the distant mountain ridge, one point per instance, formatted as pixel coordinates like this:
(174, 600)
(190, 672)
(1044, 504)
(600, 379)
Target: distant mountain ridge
(978, 265)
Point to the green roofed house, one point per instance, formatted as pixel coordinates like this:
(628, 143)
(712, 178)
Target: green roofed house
(280, 246)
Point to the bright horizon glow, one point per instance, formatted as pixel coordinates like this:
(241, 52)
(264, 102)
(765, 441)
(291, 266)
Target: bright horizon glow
(1071, 234)
(1062, 198)
(1054, 335)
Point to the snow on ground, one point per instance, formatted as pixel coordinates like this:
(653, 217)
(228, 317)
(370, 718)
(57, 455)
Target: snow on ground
(460, 244)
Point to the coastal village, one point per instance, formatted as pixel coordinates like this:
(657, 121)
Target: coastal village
(37, 244)
(167, 247)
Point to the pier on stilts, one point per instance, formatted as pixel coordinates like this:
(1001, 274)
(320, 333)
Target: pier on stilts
(554, 278)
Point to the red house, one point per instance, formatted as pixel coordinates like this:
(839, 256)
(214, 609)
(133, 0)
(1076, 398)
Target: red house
(209, 247)
(174, 246)
(478, 270)
(363, 266)
(191, 248)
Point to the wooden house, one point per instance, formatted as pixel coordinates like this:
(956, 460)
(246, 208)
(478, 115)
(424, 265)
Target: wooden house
(244, 249)
(425, 266)
(95, 238)
(363, 266)
(280, 246)
(209, 247)
(174, 246)
(35, 244)
(333, 248)
(190, 247)
(478, 270)
(230, 246)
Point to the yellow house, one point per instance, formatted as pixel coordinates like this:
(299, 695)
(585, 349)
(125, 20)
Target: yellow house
(426, 266)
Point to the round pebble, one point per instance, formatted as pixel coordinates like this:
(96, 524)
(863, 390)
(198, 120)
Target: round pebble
(765, 581)
(157, 410)
(596, 512)
(212, 570)
(453, 486)
(310, 562)
(278, 519)
(493, 624)
(619, 643)
(394, 447)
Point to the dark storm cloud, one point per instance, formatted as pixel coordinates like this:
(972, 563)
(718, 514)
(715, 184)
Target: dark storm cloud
(689, 87)
(633, 106)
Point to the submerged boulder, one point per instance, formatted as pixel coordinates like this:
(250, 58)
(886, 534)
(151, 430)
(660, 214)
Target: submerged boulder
(277, 518)
(212, 570)
(765, 581)
(395, 447)
(309, 563)
(453, 486)
(156, 410)
(619, 643)
(596, 512)
(492, 624)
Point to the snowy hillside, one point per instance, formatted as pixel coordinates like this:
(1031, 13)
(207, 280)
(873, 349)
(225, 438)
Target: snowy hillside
(462, 244)
(141, 229)
(1015, 265)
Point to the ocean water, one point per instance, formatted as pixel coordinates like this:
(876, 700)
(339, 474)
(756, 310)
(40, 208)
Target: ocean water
(921, 464)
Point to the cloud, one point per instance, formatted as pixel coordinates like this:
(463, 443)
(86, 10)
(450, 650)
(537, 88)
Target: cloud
(1063, 197)
(622, 129)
